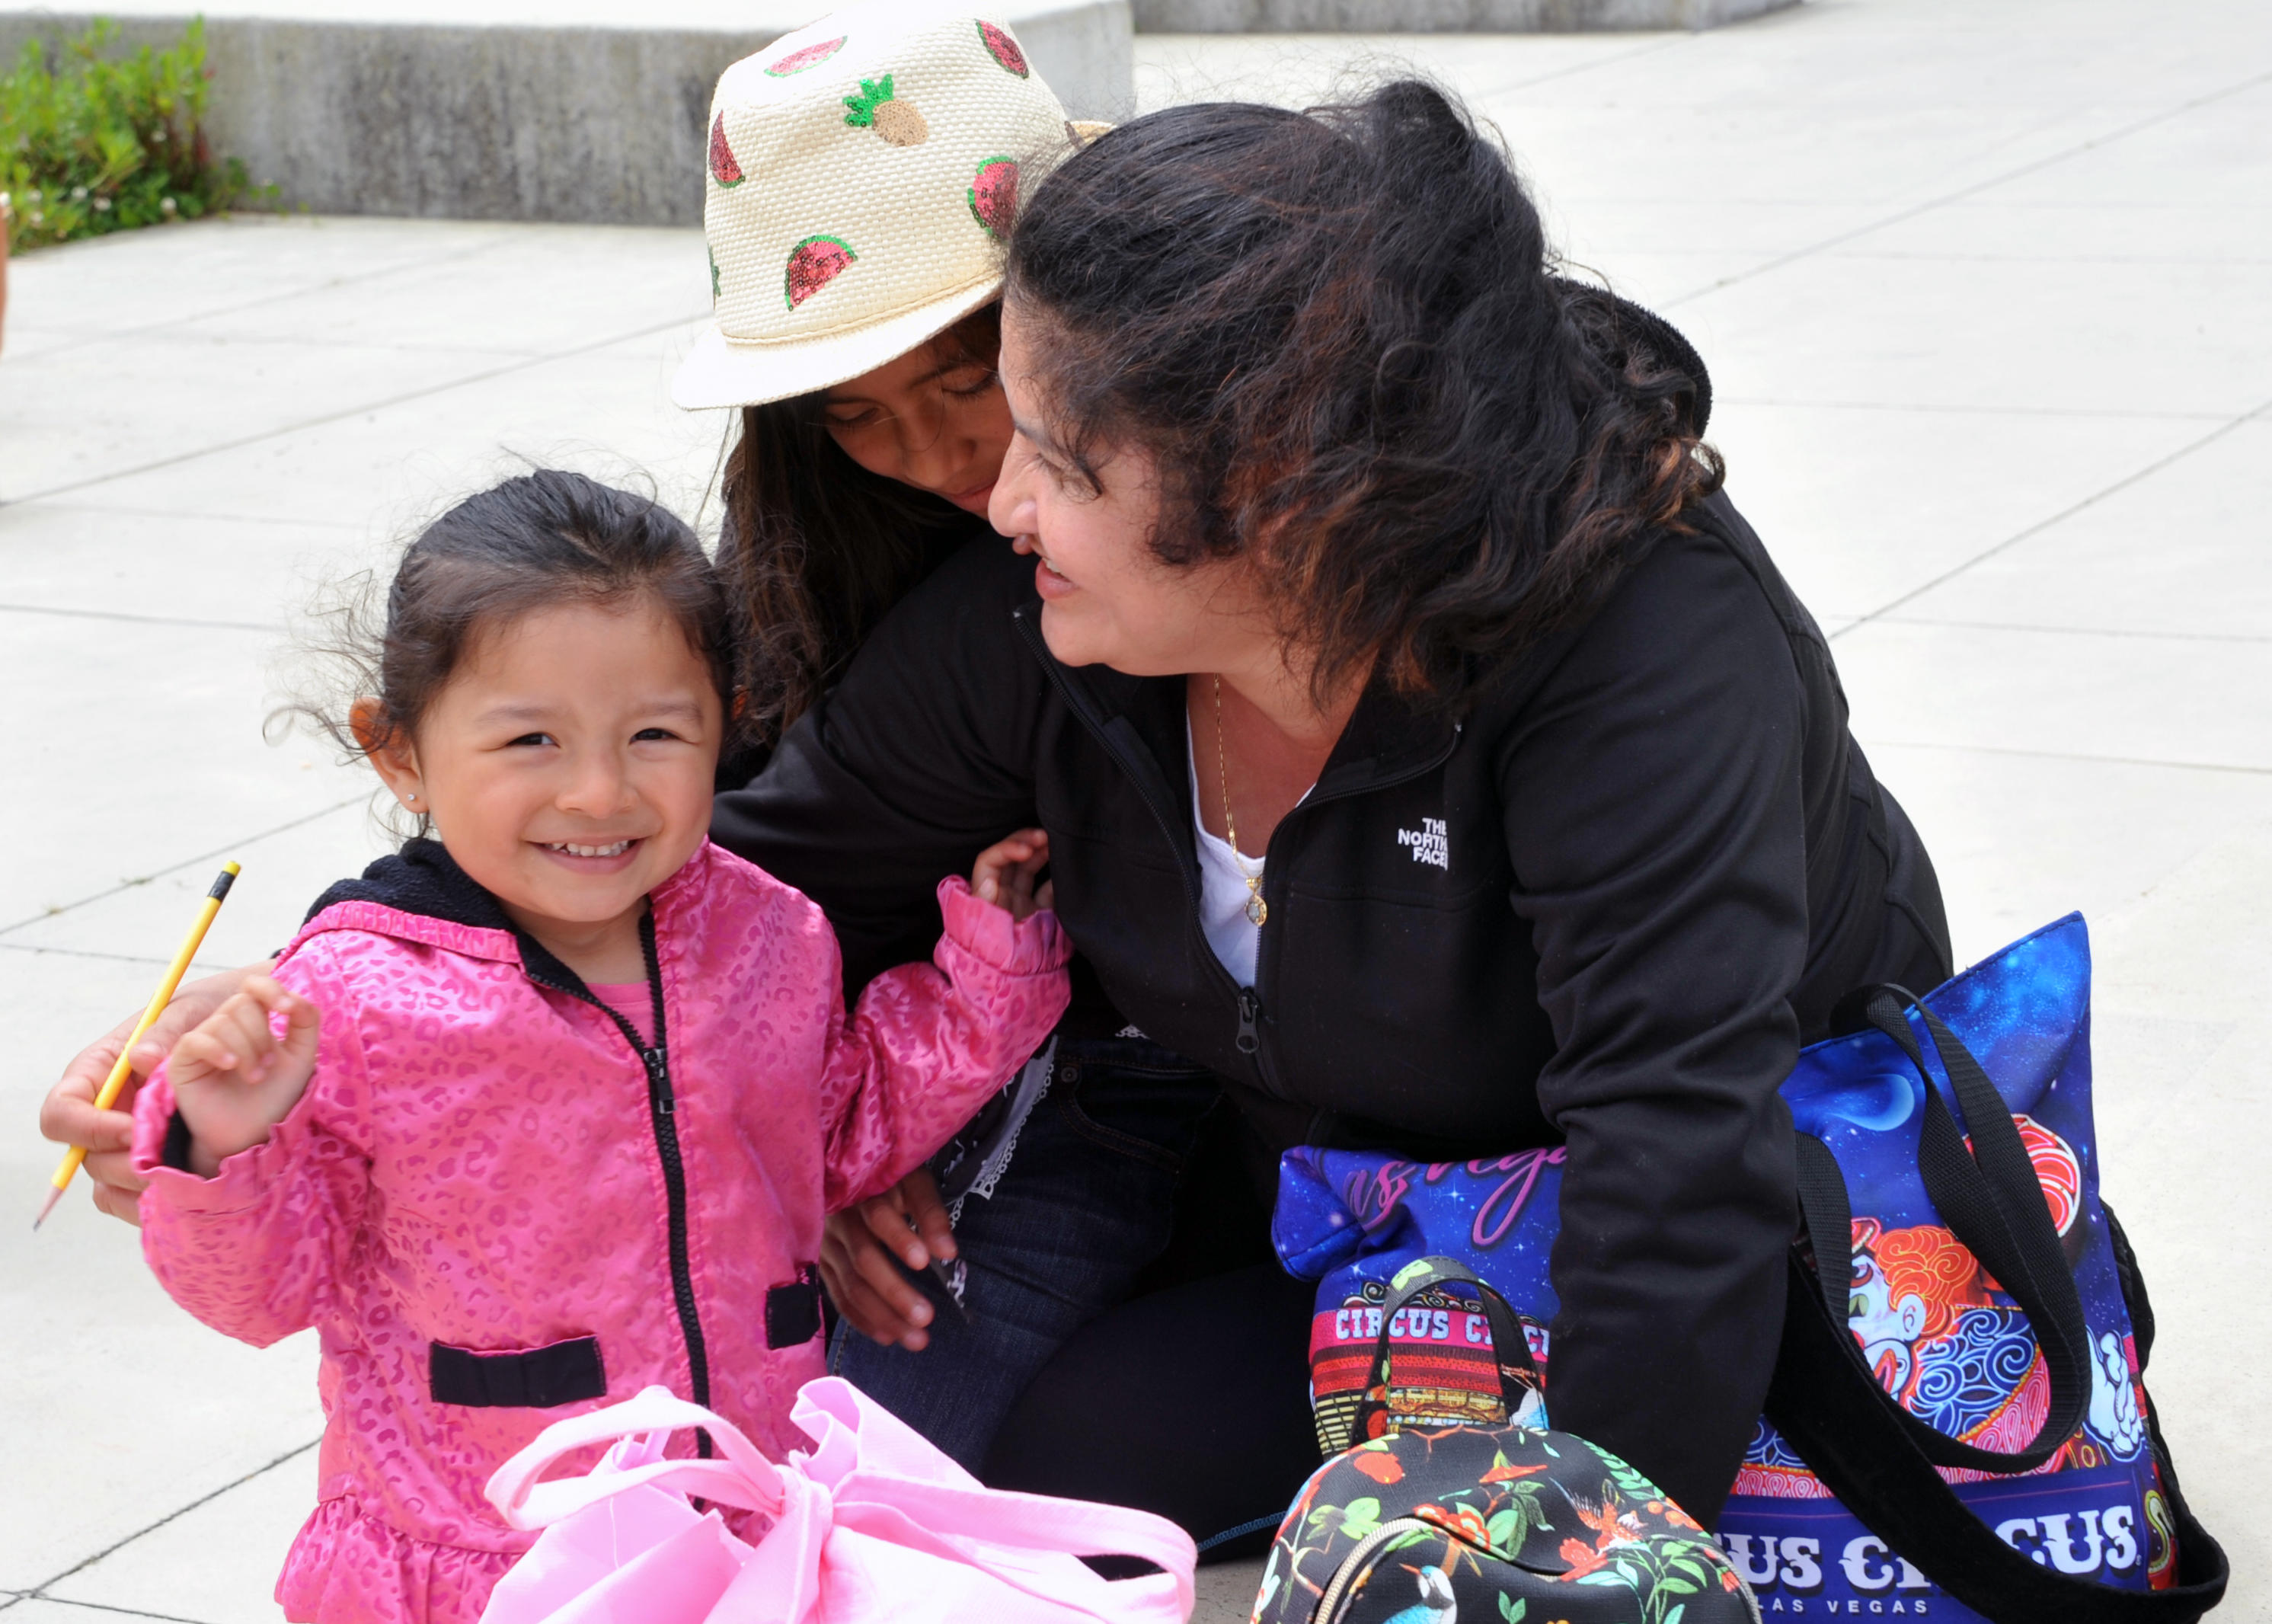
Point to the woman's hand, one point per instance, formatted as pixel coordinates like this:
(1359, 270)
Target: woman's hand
(68, 1115)
(1004, 875)
(235, 1079)
(862, 1248)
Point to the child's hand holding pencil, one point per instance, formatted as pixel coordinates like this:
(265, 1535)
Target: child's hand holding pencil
(94, 1121)
(235, 1077)
(69, 1116)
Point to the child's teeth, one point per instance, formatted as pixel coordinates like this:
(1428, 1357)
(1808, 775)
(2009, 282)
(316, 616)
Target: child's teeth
(594, 851)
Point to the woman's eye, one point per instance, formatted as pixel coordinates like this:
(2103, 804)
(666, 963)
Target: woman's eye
(1080, 487)
(857, 420)
(972, 381)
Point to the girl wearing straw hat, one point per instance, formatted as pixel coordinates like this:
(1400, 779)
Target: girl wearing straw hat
(863, 174)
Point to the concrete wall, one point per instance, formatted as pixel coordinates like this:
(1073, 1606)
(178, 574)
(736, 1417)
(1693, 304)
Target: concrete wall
(520, 120)
(1437, 16)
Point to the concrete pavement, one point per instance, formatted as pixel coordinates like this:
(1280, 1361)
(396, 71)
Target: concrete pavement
(1984, 295)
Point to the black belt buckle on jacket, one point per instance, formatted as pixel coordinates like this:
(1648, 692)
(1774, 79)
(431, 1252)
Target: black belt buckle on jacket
(793, 1311)
(533, 1378)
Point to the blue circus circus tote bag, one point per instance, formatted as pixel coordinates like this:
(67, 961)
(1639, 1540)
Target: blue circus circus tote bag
(1958, 1426)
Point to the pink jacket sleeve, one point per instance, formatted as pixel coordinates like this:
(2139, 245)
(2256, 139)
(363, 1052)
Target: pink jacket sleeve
(256, 1250)
(924, 1047)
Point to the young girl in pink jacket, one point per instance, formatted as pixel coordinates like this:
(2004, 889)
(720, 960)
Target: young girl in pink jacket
(550, 1106)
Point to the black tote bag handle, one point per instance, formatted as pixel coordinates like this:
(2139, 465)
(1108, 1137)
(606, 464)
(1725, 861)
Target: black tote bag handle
(1991, 1200)
(1517, 1372)
(1875, 1465)
(1877, 1457)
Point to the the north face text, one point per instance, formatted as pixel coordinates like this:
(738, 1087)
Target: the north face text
(1430, 842)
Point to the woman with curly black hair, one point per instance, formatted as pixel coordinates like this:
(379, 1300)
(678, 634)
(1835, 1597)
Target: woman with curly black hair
(1426, 745)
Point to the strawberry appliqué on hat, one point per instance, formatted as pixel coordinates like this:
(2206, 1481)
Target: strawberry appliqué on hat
(812, 265)
(1003, 49)
(877, 109)
(809, 56)
(723, 169)
(994, 195)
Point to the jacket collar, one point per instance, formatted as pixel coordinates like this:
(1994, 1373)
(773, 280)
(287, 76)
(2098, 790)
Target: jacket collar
(422, 878)
(421, 894)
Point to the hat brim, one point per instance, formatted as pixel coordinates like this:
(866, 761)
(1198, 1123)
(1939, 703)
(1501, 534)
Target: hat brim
(720, 372)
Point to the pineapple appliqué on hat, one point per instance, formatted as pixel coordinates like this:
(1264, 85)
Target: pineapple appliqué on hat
(877, 109)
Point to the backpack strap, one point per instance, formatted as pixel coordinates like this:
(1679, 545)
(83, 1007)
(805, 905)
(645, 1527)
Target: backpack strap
(1831, 1411)
(1517, 1372)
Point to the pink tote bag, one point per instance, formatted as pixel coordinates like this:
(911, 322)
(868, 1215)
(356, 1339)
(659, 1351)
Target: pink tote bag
(872, 1526)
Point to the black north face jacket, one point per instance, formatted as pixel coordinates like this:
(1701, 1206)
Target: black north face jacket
(1604, 907)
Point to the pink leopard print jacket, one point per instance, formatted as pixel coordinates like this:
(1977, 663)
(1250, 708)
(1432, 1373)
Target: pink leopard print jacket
(486, 1165)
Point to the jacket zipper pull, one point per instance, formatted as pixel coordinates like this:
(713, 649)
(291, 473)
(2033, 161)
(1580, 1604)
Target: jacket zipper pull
(1248, 1007)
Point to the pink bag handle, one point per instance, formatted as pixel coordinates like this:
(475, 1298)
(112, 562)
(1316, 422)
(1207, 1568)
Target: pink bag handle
(717, 1481)
(1003, 1517)
(1037, 1522)
(745, 1477)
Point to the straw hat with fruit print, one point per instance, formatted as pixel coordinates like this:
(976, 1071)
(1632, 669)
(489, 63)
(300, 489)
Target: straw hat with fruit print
(863, 172)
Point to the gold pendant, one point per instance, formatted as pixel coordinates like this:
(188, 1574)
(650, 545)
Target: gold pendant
(1256, 910)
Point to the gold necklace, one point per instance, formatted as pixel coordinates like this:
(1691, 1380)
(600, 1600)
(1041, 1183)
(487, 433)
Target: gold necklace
(1256, 910)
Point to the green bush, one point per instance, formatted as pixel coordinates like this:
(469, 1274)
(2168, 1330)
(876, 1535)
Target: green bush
(92, 142)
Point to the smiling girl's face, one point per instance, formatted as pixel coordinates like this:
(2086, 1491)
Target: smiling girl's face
(934, 419)
(567, 766)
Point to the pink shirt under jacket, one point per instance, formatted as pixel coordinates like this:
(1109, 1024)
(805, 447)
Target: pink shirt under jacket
(476, 1165)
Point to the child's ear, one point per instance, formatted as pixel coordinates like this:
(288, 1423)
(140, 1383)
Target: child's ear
(388, 751)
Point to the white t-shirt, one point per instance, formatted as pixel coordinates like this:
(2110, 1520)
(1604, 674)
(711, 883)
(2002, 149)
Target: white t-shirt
(1222, 887)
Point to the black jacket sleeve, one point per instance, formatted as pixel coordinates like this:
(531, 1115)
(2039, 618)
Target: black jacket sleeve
(919, 759)
(1654, 822)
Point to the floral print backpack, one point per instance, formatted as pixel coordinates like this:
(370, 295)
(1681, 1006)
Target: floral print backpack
(1435, 1523)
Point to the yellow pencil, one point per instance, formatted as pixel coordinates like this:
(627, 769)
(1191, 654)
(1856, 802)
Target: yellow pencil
(159, 1000)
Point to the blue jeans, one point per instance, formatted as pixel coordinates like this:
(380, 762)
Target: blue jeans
(1088, 1200)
